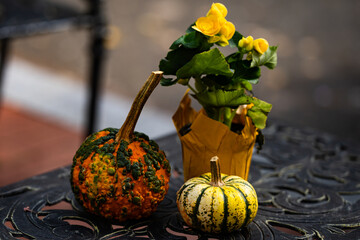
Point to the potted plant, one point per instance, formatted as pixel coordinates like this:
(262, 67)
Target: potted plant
(232, 117)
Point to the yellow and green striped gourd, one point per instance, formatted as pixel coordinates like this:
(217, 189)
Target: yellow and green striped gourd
(217, 203)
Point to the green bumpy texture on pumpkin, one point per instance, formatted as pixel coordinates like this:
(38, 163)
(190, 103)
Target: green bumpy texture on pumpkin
(119, 180)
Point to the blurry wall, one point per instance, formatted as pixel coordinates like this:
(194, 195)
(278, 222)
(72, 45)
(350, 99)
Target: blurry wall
(315, 84)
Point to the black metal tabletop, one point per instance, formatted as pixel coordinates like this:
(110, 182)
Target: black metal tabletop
(307, 184)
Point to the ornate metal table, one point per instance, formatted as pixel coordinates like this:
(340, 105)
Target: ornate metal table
(307, 183)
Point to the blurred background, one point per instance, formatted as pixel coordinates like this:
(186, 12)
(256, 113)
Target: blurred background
(316, 82)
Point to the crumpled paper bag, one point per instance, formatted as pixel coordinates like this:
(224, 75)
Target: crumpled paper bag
(206, 138)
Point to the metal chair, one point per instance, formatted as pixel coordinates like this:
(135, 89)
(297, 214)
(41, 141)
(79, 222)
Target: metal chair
(23, 18)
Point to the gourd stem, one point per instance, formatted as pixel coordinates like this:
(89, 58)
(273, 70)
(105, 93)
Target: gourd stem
(127, 130)
(215, 172)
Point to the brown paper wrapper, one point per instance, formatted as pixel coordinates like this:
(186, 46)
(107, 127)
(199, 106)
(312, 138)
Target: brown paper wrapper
(208, 138)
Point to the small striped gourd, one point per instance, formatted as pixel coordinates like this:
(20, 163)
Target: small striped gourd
(217, 203)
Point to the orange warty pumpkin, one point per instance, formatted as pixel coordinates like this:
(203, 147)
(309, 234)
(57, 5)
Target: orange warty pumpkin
(121, 174)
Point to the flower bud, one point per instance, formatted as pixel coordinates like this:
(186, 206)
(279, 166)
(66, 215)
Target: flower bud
(227, 30)
(183, 81)
(261, 45)
(216, 9)
(222, 41)
(246, 43)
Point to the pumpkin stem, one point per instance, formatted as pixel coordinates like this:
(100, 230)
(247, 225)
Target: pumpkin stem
(127, 130)
(215, 172)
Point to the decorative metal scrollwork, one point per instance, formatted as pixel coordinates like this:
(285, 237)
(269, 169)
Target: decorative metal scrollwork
(307, 183)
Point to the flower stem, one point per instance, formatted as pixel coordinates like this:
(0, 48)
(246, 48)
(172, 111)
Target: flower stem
(192, 89)
(220, 113)
(228, 116)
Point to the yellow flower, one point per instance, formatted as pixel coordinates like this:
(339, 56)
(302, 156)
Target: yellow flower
(226, 33)
(209, 26)
(220, 40)
(215, 25)
(214, 39)
(227, 30)
(261, 45)
(247, 43)
(217, 9)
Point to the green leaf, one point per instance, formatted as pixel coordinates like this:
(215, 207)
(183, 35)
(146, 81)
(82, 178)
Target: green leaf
(264, 106)
(190, 28)
(258, 113)
(234, 58)
(209, 62)
(251, 74)
(192, 39)
(233, 42)
(243, 71)
(246, 84)
(258, 117)
(200, 86)
(216, 81)
(168, 81)
(178, 42)
(268, 59)
(223, 98)
(175, 59)
(253, 81)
